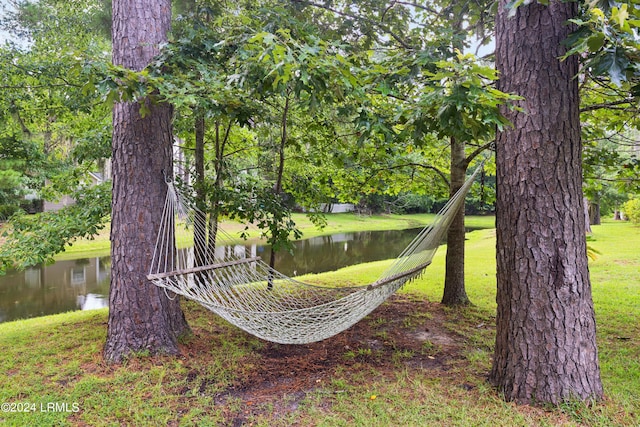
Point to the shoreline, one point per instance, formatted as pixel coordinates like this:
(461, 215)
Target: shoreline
(336, 223)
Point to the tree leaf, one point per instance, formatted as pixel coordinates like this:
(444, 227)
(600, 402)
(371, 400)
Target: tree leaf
(595, 42)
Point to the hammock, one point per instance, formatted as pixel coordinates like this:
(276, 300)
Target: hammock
(245, 291)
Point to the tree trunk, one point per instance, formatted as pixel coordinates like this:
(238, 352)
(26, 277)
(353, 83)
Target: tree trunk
(277, 187)
(214, 216)
(200, 221)
(587, 222)
(141, 317)
(454, 288)
(594, 213)
(546, 332)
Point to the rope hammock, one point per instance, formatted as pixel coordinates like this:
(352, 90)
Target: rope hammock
(245, 291)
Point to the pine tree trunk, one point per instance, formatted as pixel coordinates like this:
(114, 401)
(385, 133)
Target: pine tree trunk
(546, 332)
(141, 317)
(454, 287)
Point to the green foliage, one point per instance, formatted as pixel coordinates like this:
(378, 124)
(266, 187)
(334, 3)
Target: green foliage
(606, 43)
(462, 100)
(610, 173)
(611, 166)
(11, 190)
(413, 203)
(363, 100)
(259, 206)
(52, 130)
(32, 239)
(244, 69)
(607, 39)
(14, 180)
(253, 82)
(632, 209)
(21, 171)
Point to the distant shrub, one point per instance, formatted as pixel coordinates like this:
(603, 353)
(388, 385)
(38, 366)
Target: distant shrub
(632, 210)
(414, 203)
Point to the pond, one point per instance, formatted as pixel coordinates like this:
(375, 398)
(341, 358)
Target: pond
(83, 284)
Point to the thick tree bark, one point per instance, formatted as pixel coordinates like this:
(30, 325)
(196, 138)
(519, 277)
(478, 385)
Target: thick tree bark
(141, 317)
(546, 332)
(454, 286)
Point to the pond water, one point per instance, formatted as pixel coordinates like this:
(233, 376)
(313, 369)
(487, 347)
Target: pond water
(83, 284)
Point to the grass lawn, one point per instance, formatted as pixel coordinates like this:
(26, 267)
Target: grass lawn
(54, 374)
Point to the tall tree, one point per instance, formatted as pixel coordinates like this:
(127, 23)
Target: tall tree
(546, 344)
(423, 32)
(465, 110)
(52, 131)
(141, 317)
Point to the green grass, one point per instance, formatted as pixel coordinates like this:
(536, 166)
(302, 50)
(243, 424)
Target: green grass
(57, 359)
(615, 275)
(336, 223)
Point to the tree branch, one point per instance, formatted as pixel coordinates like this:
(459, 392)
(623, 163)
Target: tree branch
(597, 178)
(383, 27)
(477, 151)
(608, 105)
(441, 174)
(16, 112)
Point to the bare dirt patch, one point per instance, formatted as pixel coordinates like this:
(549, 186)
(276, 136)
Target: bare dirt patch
(401, 333)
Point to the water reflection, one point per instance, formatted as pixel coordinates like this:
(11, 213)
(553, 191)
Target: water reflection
(63, 286)
(83, 284)
(327, 253)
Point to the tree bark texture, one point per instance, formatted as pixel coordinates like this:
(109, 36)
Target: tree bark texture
(546, 332)
(454, 286)
(141, 317)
